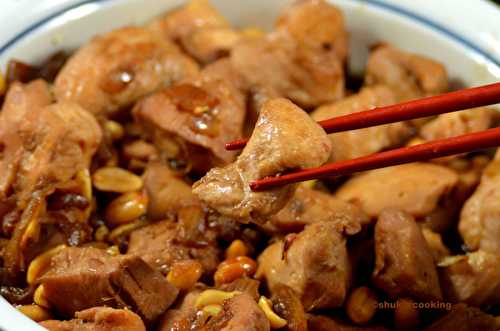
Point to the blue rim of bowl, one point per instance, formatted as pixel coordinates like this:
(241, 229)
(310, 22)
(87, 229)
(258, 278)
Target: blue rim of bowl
(375, 3)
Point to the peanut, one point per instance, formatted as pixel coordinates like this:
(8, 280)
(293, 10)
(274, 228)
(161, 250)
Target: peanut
(237, 248)
(234, 268)
(185, 274)
(126, 208)
(361, 305)
(35, 312)
(114, 179)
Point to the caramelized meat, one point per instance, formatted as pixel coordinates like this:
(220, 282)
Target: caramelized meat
(161, 244)
(239, 313)
(403, 262)
(473, 278)
(42, 153)
(167, 193)
(315, 265)
(479, 223)
(206, 111)
(463, 318)
(20, 101)
(355, 143)
(309, 206)
(317, 26)
(458, 123)
(200, 29)
(80, 278)
(116, 69)
(416, 188)
(306, 77)
(411, 76)
(99, 319)
(284, 138)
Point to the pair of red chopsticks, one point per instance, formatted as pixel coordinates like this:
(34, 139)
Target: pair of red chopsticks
(445, 103)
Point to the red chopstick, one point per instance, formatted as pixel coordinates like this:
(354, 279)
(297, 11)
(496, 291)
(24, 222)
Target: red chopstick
(439, 148)
(440, 104)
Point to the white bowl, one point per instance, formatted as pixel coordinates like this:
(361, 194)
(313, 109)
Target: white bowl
(463, 34)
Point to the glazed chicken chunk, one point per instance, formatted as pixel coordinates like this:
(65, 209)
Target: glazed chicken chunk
(284, 138)
(98, 319)
(42, 155)
(204, 112)
(404, 266)
(304, 56)
(420, 189)
(81, 278)
(355, 143)
(479, 223)
(473, 278)
(314, 263)
(201, 31)
(117, 68)
(309, 206)
(411, 76)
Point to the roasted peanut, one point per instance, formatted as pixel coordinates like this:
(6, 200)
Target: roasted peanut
(41, 263)
(126, 208)
(35, 312)
(214, 297)
(266, 305)
(114, 179)
(406, 316)
(234, 268)
(114, 129)
(185, 274)
(113, 250)
(237, 248)
(39, 297)
(139, 149)
(101, 233)
(361, 305)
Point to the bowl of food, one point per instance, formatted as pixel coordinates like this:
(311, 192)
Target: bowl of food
(121, 208)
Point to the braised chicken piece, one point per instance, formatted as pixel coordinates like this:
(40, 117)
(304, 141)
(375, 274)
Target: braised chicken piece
(314, 263)
(355, 143)
(183, 315)
(205, 112)
(163, 243)
(80, 278)
(201, 31)
(464, 318)
(411, 76)
(98, 319)
(420, 189)
(323, 323)
(473, 278)
(458, 123)
(116, 69)
(239, 313)
(479, 223)
(307, 71)
(284, 138)
(167, 193)
(308, 206)
(404, 266)
(316, 25)
(43, 157)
